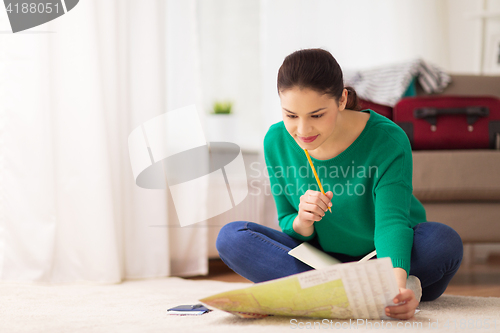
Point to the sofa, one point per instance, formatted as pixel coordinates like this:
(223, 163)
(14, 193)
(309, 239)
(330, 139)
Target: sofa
(460, 188)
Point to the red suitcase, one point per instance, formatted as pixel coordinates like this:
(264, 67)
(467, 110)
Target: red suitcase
(384, 110)
(450, 122)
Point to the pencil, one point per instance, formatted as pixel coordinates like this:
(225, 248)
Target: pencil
(316, 175)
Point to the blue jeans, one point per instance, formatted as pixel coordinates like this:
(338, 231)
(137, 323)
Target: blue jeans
(259, 254)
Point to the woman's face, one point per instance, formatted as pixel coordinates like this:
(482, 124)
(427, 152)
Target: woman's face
(310, 117)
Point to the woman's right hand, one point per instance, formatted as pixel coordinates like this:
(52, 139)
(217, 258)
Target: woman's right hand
(312, 207)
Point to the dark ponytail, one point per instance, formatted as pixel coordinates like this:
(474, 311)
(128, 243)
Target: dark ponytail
(318, 70)
(352, 99)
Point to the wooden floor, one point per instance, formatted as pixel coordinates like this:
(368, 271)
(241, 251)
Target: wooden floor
(479, 279)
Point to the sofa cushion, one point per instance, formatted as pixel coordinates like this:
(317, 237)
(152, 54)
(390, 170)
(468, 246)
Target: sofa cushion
(473, 221)
(469, 85)
(456, 175)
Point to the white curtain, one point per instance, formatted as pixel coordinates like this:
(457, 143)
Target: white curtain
(71, 91)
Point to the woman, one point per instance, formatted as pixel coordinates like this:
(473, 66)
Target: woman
(364, 162)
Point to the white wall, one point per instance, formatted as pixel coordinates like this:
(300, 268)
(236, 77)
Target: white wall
(244, 42)
(466, 35)
(492, 29)
(359, 34)
(230, 50)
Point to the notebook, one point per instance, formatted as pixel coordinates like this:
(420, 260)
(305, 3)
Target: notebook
(318, 259)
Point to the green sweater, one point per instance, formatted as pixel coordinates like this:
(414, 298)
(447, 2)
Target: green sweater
(373, 204)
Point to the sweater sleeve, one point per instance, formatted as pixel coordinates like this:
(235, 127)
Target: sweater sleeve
(393, 233)
(286, 212)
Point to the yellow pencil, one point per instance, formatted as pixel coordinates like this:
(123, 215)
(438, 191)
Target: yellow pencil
(316, 175)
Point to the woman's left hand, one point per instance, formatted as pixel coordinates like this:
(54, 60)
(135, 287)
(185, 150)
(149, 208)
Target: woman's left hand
(406, 310)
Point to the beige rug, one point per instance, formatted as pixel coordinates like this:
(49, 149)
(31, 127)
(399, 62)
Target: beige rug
(140, 306)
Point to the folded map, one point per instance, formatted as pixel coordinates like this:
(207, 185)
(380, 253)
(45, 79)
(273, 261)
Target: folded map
(357, 290)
